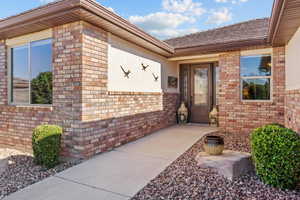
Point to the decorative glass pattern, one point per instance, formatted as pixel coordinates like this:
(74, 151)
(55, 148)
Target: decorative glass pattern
(201, 86)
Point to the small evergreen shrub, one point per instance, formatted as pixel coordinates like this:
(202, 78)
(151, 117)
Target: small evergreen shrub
(46, 140)
(276, 155)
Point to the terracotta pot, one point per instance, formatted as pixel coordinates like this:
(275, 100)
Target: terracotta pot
(214, 145)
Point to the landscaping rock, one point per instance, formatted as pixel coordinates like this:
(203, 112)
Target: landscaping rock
(21, 171)
(3, 165)
(184, 179)
(231, 164)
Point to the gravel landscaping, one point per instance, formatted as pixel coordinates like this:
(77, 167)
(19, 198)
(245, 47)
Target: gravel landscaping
(21, 171)
(183, 179)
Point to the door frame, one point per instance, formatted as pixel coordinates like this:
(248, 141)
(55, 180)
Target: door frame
(186, 84)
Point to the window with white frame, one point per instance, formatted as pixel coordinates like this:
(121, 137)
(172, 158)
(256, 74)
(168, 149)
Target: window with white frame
(31, 73)
(256, 77)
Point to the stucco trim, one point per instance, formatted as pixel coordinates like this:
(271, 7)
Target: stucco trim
(29, 38)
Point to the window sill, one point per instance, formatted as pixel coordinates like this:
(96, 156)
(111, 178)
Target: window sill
(257, 101)
(49, 107)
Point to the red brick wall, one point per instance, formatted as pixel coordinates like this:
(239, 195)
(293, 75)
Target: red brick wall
(17, 122)
(110, 119)
(146, 113)
(3, 74)
(292, 110)
(242, 117)
(94, 119)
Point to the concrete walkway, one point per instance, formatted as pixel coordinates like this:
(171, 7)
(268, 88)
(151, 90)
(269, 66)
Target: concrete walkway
(118, 174)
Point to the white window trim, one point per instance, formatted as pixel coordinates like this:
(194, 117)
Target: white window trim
(20, 41)
(260, 52)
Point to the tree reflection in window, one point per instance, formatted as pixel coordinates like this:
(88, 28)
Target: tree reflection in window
(256, 89)
(41, 89)
(256, 74)
(31, 73)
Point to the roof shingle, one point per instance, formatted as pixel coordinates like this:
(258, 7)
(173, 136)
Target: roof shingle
(250, 30)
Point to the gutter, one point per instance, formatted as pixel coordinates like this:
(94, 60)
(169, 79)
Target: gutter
(220, 47)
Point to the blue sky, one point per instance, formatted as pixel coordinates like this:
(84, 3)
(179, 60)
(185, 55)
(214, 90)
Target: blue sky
(169, 18)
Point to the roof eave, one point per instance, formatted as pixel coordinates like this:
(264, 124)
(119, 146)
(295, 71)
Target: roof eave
(221, 47)
(277, 11)
(285, 21)
(67, 11)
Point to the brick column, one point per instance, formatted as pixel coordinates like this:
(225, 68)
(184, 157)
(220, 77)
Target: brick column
(3, 74)
(67, 81)
(292, 110)
(94, 73)
(229, 92)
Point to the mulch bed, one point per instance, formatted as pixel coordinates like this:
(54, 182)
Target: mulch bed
(183, 179)
(22, 172)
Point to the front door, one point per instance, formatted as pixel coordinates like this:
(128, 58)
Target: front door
(201, 92)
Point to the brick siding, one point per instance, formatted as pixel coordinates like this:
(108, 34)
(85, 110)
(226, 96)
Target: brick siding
(94, 119)
(110, 119)
(241, 117)
(17, 122)
(292, 110)
(3, 74)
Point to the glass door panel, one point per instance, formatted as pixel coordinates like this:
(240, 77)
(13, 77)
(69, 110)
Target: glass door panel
(200, 86)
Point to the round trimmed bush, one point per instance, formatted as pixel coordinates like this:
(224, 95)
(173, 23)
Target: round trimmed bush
(276, 155)
(46, 145)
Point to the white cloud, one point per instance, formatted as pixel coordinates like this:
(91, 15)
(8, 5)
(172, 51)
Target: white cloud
(171, 33)
(110, 9)
(162, 24)
(168, 23)
(160, 20)
(221, 1)
(231, 1)
(46, 1)
(183, 6)
(220, 16)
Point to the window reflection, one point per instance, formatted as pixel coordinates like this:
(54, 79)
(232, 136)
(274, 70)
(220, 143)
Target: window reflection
(20, 74)
(31, 72)
(256, 65)
(256, 89)
(256, 74)
(41, 75)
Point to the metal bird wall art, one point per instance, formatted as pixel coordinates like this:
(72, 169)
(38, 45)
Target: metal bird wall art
(155, 77)
(126, 73)
(144, 67)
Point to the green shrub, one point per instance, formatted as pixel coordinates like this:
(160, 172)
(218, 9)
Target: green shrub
(46, 145)
(276, 155)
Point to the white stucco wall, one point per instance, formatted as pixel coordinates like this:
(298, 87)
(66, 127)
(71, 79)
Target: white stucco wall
(293, 62)
(131, 57)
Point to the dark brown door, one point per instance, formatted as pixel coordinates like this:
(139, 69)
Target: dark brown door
(201, 93)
